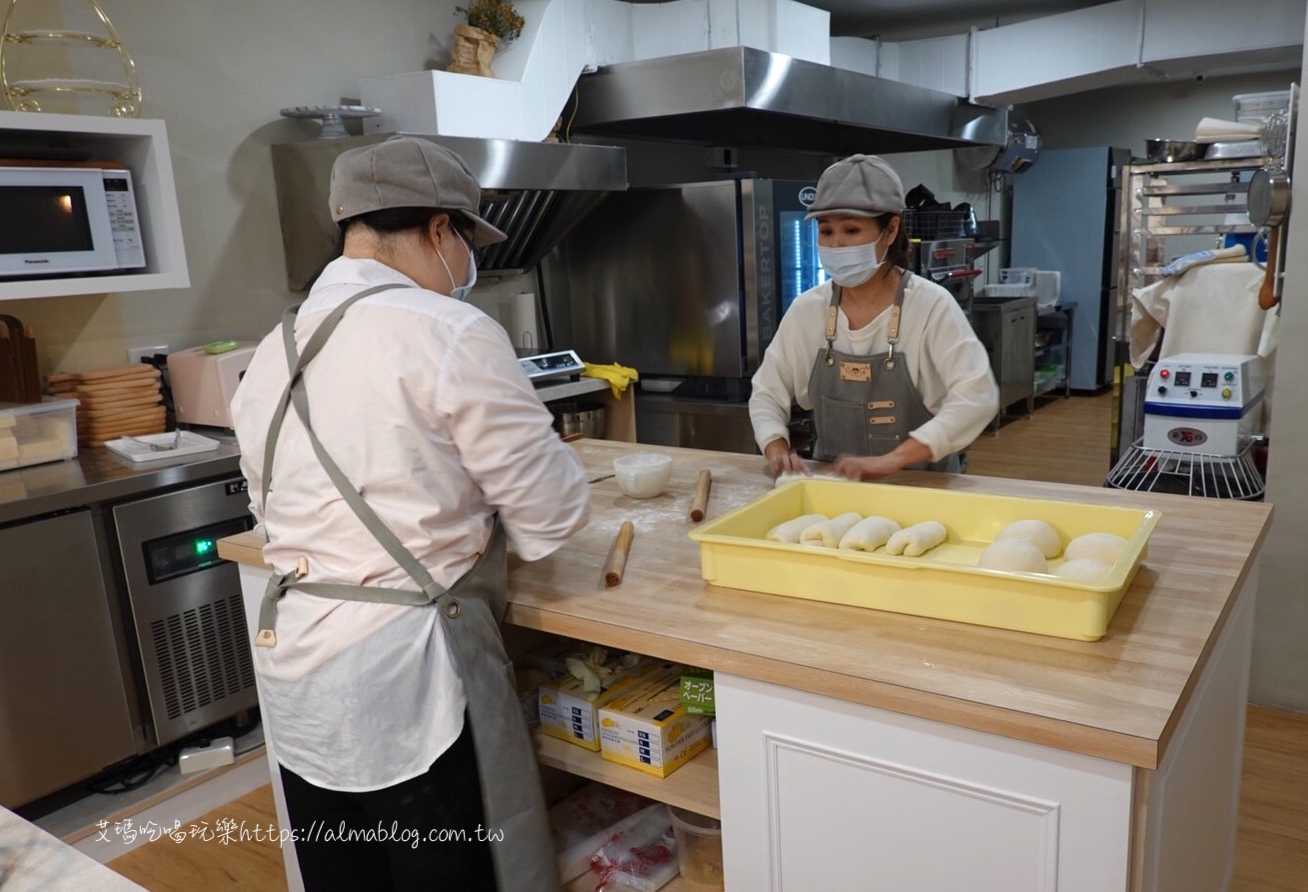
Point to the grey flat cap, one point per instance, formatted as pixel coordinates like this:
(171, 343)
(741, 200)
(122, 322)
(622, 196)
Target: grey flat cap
(406, 172)
(858, 186)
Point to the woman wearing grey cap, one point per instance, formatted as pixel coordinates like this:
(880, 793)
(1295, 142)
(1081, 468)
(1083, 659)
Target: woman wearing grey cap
(887, 361)
(391, 440)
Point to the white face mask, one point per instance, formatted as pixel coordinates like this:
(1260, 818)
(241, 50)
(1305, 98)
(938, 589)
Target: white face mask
(461, 292)
(851, 266)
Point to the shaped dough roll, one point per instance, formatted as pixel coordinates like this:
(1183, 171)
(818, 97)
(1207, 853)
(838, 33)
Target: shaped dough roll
(869, 534)
(1037, 532)
(917, 539)
(828, 533)
(1099, 546)
(791, 529)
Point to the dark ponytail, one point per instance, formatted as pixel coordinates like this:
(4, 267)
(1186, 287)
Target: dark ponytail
(897, 253)
(390, 221)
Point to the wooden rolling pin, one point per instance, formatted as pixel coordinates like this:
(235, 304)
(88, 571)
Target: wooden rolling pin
(1267, 293)
(618, 559)
(700, 502)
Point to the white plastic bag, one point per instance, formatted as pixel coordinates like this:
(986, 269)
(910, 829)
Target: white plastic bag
(584, 821)
(639, 854)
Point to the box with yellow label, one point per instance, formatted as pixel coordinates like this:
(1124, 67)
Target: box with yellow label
(567, 709)
(645, 727)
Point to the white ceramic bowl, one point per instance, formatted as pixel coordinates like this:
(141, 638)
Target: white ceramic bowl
(643, 475)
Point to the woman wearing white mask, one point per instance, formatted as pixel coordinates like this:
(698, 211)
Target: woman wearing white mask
(887, 361)
(391, 441)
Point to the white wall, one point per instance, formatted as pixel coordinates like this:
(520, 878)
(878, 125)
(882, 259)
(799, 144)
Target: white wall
(217, 73)
(1280, 664)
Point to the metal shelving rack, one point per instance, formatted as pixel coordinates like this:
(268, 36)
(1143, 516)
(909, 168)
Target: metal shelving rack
(1162, 201)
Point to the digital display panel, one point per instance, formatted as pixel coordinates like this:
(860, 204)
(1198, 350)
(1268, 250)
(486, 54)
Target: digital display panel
(1208, 379)
(188, 552)
(1182, 379)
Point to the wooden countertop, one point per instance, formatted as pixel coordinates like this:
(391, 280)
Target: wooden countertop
(1118, 698)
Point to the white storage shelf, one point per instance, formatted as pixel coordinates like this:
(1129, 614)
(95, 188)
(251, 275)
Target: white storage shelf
(142, 145)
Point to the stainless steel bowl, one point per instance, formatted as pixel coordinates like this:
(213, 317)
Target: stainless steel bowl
(586, 419)
(1168, 151)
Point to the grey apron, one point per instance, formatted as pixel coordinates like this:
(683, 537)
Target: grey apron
(865, 405)
(470, 613)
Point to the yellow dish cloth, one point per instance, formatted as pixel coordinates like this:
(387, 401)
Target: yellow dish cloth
(618, 376)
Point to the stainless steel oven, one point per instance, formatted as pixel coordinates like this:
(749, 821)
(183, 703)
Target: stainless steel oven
(185, 604)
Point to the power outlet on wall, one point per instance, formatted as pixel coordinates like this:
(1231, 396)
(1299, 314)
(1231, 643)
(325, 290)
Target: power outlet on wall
(136, 354)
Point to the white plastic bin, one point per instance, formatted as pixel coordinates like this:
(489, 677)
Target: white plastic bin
(32, 433)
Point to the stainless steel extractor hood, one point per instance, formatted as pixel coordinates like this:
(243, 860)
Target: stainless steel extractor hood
(534, 192)
(739, 96)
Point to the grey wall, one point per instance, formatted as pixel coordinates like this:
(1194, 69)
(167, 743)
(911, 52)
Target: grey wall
(217, 73)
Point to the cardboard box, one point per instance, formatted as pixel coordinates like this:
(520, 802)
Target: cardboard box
(568, 711)
(696, 691)
(645, 727)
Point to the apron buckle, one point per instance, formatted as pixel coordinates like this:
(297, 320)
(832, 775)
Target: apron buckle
(265, 638)
(452, 608)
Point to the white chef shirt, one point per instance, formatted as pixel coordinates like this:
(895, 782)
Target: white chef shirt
(422, 403)
(946, 363)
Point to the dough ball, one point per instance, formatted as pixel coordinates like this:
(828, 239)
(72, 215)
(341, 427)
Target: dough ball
(1099, 546)
(791, 529)
(787, 476)
(1013, 556)
(1084, 568)
(1037, 532)
(869, 534)
(828, 533)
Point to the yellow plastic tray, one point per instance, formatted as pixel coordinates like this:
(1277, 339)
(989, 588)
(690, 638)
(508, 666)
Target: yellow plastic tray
(944, 583)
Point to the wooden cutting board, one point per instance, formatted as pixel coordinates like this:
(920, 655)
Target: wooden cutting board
(130, 414)
(128, 374)
(106, 389)
(130, 431)
(104, 407)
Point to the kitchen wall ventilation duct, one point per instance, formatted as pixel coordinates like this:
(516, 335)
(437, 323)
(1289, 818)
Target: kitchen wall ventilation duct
(534, 192)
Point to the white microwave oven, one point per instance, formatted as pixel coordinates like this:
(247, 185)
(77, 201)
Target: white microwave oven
(58, 221)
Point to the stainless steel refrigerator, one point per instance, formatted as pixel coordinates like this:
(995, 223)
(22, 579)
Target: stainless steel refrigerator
(687, 284)
(1065, 218)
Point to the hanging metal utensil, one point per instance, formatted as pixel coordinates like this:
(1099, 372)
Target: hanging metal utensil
(1269, 197)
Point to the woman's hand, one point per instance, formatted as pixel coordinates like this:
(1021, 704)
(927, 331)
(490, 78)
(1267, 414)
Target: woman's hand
(874, 467)
(867, 467)
(782, 459)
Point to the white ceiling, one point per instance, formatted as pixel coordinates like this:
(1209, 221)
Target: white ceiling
(915, 19)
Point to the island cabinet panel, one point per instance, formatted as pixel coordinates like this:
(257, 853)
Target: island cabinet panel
(825, 794)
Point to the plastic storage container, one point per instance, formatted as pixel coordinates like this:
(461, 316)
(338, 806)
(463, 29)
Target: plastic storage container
(32, 433)
(699, 849)
(944, 583)
(1253, 108)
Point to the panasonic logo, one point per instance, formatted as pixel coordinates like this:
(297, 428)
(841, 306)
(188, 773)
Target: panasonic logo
(25, 260)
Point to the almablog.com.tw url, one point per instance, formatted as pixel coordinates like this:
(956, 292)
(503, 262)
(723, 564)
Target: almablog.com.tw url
(228, 831)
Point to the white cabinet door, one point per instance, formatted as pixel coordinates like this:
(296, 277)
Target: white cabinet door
(821, 794)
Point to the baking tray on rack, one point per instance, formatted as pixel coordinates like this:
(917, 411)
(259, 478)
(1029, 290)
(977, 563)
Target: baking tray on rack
(944, 583)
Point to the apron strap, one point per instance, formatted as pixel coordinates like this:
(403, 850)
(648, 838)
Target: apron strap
(297, 396)
(296, 364)
(892, 332)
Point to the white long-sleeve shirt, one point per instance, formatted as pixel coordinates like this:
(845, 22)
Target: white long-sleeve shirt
(947, 364)
(421, 401)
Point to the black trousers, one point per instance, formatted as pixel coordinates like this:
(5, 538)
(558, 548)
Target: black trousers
(422, 820)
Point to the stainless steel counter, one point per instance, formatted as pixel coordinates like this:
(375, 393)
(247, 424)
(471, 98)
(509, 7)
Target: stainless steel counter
(97, 475)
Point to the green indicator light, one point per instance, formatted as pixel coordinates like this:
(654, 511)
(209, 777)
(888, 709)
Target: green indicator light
(203, 546)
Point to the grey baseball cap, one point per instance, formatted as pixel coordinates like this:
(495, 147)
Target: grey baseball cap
(406, 172)
(858, 186)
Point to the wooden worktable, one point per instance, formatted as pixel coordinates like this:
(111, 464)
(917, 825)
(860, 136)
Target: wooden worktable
(1118, 698)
